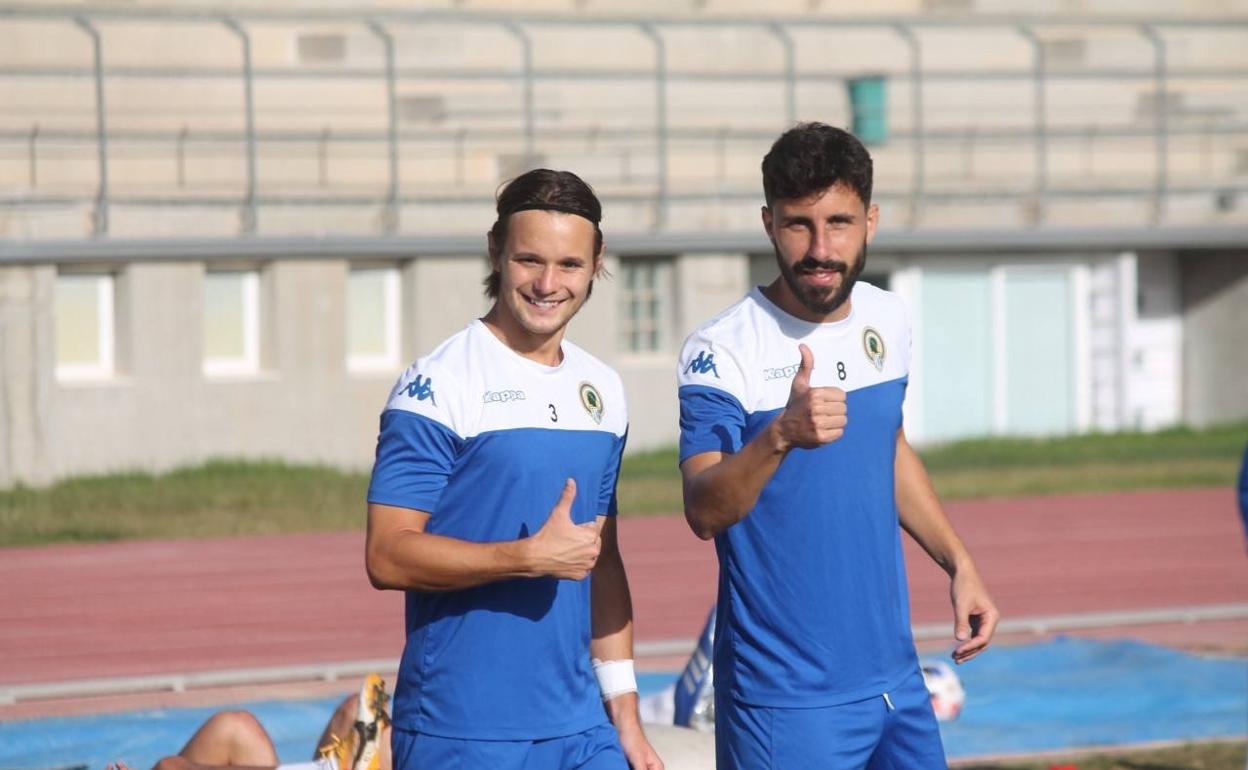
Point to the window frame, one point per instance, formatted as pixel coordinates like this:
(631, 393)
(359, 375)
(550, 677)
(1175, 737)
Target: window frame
(660, 293)
(249, 363)
(105, 367)
(392, 296)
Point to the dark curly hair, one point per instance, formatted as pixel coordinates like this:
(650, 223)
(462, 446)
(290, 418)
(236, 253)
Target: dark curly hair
(815, 156)
(546, 190)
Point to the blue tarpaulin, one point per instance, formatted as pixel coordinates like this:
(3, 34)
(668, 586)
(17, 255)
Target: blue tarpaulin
(1060, 694)
(1072, 692)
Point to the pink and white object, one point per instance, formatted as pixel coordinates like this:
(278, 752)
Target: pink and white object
(945, 688)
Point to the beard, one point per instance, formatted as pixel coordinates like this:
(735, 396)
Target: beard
(817, 299)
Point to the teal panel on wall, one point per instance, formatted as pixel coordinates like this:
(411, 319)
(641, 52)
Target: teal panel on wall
(869, 104)
(957, 354)
(1039, 353)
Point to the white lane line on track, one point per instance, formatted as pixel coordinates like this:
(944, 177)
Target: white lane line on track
(329, 672)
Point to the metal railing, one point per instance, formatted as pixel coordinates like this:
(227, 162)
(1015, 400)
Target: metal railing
(638, 160)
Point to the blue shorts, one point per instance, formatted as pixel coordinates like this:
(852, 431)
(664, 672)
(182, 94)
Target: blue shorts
(897, 732)
(595, 749)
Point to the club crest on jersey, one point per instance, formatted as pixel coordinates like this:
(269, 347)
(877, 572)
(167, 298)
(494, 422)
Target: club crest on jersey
(591, 399)
(873, 346)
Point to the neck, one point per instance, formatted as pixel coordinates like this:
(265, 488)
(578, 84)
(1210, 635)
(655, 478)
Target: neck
(782, 296)
(545, 349)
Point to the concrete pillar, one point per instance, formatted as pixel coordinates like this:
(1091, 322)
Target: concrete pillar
(445, 294)
(308, 319)
(1215, 320)
(706, 284)
(27, 363)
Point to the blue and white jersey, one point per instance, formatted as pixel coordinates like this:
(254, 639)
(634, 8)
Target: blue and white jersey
(813, 605)
(482, 439)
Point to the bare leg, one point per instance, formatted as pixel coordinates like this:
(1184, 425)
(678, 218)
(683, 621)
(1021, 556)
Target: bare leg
(232, 739)
(341, 723)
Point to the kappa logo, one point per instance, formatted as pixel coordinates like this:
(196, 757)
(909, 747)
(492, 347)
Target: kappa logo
(781, 372)
(421, 388)
(705, 362)
(502, 396)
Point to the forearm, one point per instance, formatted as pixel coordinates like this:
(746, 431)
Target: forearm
(720, 495)
(611, 624)
(612, 627)
(420, 561)
(922, 515)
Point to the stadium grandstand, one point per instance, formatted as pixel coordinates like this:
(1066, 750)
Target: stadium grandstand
(224, 230)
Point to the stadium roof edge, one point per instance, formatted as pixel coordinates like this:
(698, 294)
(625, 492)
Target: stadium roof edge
(969, 242)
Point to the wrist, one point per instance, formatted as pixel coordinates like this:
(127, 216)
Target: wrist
(520, 558)
(777, 442)
(624, 711)
(960, 565)
(615, 678)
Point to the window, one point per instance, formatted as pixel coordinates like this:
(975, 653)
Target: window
(645, 305)
(373, 319)
(84, 326)
(231, 322)
(868, 99)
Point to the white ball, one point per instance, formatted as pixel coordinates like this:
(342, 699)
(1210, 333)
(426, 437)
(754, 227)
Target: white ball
(945, 688)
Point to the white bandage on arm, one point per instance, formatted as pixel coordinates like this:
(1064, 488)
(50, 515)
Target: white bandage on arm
(615, 677)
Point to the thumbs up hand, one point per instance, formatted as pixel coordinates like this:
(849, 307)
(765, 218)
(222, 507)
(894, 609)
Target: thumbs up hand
(563, 548)
(814, 416)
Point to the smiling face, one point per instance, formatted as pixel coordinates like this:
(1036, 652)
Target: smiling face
(821, 248)
(545, 265)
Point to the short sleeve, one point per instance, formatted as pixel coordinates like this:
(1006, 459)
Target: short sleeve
(607, 502)
(712, 394)
(418, 442)
(415, 456)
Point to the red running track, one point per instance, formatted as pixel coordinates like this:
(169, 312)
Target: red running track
(158, 607)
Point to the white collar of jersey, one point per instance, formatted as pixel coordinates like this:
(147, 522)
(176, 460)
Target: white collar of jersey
(536, 366)
(798, 327)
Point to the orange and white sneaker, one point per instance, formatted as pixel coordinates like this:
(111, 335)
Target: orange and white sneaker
(361, 749)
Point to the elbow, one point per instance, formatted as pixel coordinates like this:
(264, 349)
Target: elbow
(700, 525)
(378, 579)
(699, 516)
(704, 534)
(382, 573)
(379, 582)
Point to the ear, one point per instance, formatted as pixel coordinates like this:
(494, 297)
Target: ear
(768, 219)
(873, 220)
(599, 262)
(494, 249)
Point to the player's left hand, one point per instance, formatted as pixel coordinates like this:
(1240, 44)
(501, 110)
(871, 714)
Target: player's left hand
(975, 617)
(637, 748)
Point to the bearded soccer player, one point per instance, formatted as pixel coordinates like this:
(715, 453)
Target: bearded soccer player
(794, 458)
(492, 505)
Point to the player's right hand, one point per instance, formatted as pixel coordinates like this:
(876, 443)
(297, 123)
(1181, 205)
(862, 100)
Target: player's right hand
(814, 416)
(563, 548)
